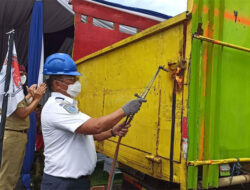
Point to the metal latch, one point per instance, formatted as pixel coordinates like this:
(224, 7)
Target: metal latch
(153, 158)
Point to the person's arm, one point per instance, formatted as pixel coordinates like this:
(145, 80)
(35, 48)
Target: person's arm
(119, 130)
(101, 124)
(23, 112)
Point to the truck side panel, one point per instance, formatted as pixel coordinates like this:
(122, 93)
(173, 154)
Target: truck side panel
(112, 76)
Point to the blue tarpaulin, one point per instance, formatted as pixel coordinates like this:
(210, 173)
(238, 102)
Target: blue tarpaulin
(34, 57)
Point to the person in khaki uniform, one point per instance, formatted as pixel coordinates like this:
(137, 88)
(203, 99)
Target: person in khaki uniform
(15, 136)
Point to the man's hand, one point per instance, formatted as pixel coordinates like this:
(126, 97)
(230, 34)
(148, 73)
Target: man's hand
(120, 129)
(133, 106)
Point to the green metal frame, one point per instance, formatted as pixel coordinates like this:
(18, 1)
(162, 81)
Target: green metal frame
(219, 105)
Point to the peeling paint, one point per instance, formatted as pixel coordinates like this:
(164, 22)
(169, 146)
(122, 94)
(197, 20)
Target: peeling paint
(235, 16)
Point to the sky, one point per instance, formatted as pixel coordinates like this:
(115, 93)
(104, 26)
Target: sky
(168, 7)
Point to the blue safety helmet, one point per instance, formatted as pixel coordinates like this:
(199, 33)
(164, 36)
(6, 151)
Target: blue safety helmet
(60, 64)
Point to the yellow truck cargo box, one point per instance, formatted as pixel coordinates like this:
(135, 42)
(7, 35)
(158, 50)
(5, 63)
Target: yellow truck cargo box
(113, 75)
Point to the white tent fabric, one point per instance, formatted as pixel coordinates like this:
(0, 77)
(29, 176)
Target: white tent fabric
(16, 14)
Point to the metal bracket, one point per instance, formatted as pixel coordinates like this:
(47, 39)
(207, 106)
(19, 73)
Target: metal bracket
(217, 42)
(177, 70)
(153, 158)
(156, 164)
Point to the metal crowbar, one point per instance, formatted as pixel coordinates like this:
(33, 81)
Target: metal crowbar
(127, 121)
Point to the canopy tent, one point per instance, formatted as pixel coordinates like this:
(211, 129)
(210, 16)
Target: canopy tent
(16, 14)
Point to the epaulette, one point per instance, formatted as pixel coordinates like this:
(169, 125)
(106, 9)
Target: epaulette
(68, 106)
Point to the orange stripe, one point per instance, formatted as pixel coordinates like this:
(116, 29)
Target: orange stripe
(216, 42)
(244, 21)
(205, 9)
(240, 19)
(216, 12)
(227, 15)
(206, 32)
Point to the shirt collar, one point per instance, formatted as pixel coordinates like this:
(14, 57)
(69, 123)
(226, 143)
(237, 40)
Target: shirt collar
(68, 99)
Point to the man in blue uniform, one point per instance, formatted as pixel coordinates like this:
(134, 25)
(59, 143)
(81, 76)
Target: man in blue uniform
(70, 155)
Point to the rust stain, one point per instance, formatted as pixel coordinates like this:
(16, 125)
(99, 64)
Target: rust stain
(205, 9)
(200, 31)
(206, 31)
(212, 32)
(179, 77)
(216, 41)
(158, 125)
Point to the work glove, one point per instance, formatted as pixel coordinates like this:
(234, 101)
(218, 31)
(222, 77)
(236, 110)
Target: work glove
(133, 106)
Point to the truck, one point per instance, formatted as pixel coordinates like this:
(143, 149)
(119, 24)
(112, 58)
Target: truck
(194, 129)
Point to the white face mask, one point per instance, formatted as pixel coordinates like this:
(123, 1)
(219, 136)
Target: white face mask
(74, 89)
(23, 79)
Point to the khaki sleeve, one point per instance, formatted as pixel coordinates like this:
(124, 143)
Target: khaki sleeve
(22, 104)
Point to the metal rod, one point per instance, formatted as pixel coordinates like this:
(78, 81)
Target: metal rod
(199, 37)
(216, 162)
(149, 85)
(111, 175)
(128, 120)
(240, 179)
(144, 94)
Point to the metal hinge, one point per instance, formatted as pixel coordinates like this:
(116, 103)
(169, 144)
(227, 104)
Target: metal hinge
(153, 158)
(156, 165)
